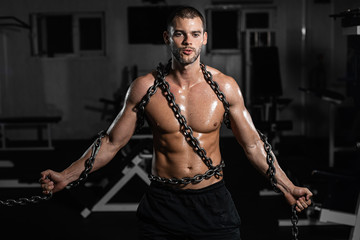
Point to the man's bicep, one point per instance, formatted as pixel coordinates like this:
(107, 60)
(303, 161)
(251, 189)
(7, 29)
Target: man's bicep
(123, 127)
(241, 123)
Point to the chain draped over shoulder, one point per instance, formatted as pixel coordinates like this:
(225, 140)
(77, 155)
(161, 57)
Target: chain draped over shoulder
(186, 130)
(161, 72)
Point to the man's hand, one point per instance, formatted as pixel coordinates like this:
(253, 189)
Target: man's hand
(52, 181)
(299, 196)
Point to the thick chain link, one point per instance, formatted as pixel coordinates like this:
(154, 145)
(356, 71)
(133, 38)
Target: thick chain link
(270, 161)
(215, 87)
(185, 129)
(162, 71)
(140, 107)
(89, 163)
(271, 173)
(25, 201)
(294, 221)
(193, 180)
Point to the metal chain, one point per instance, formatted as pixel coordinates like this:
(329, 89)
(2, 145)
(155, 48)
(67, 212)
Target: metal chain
(187, 180)
(270, 161)
(83, 176)
(294, 221)
(186, 130)
(215, 87)
(271, 173)
(89, 163)
(25, 201)
(162, 71)
(140, 107)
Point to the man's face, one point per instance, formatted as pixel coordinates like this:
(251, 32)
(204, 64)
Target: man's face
(185, 39)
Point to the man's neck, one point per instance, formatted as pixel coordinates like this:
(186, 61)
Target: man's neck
(186, 75)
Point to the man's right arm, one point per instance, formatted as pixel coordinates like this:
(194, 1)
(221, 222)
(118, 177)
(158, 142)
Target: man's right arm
(118, 135)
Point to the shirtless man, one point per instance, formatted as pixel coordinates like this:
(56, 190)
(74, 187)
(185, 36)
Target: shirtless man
(193, 207)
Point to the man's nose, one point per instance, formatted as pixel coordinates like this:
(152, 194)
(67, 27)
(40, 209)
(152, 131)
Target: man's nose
(187, 40)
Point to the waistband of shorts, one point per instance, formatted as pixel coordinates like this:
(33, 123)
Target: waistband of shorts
(212, 187)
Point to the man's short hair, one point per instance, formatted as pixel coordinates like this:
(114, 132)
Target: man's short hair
(185, 12)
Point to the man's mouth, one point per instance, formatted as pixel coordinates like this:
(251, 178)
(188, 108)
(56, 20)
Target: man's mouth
(187, 51)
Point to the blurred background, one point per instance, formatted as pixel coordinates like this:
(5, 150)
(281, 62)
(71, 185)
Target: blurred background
(65, 66)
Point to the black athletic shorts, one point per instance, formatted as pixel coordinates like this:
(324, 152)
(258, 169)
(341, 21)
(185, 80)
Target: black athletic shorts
(207, 213)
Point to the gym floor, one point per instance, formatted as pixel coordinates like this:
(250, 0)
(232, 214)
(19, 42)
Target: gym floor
(60, 217)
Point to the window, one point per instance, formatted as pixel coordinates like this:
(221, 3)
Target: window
(76, 34)
(225, 35)
(257, 20)
(146, 24)
(224, 30)
(228, 27)
(90, 30)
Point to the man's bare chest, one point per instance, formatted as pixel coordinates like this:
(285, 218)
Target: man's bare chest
(200, 106)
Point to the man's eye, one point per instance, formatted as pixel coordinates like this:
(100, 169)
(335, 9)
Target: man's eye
(177, 34)
(196, 35)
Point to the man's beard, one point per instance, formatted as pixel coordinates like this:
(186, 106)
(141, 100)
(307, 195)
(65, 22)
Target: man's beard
(176, 53)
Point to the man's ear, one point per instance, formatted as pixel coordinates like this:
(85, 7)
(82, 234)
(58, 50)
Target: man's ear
(166, 37)
(205, 38)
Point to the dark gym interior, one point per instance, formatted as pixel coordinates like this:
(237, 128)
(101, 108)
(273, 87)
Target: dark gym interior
(65, 67)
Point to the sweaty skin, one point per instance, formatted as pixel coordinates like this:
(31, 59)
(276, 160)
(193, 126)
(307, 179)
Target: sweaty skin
(173, 157)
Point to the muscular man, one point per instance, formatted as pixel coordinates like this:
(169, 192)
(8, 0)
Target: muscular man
(187, 196)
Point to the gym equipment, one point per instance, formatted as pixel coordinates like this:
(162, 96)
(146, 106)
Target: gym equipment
(134, 165)
(83, 176)
(37, 123)
(327, 215)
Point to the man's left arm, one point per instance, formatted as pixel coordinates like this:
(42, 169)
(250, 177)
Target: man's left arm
(248, 137)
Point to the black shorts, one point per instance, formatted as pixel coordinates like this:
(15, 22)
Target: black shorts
(207, 213)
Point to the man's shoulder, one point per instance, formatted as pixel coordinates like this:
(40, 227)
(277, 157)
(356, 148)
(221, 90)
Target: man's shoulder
(140, 86)
(142, 83)
(221, 78)
(147, 79)
(227, 85)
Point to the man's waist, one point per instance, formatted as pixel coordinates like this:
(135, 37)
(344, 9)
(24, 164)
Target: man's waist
(208, 186)
(214, 172)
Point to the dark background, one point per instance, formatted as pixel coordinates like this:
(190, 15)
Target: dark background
(297, 67)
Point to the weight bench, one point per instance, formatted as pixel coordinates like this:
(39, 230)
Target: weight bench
(133, 165)
(344, 218)
(341, 217)
(37, 123)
